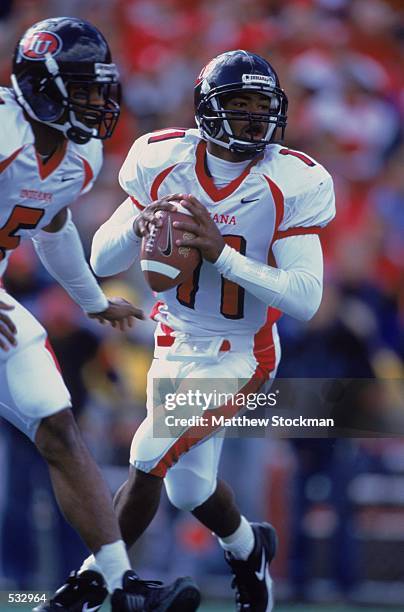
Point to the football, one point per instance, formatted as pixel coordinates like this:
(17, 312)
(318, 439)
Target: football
(164, 264)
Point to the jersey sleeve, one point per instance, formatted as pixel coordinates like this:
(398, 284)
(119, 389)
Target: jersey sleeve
(13, 127)
(310, 209)
(132, 175)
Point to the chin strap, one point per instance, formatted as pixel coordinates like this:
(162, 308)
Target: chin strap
(233, 144)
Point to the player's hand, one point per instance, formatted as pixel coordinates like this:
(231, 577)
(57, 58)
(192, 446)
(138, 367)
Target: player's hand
(120, 313)
(143, 222)
(208, 238)
(7, 328)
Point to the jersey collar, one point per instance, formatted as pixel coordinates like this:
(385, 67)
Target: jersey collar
(45, 169)
(206, 180)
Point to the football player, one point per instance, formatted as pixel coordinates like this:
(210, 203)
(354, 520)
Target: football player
(63, 102)
(257, 211)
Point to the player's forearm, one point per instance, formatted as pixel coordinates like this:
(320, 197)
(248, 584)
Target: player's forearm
(114, 249)
(63, 256)
(295, 288)
(115, 245)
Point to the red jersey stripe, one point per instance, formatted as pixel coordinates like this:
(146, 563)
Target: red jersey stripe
(264, 337)
(207, 182)
(166, 136)
(279, 202)
(304, 158)
(88, 173)
(137, 204)
(45, 169)
(6, 162)
(157, 182)
(297, 231)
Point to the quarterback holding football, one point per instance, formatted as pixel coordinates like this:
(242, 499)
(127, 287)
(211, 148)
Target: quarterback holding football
(253, 210)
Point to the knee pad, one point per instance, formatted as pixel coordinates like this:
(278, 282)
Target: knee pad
(187, 490)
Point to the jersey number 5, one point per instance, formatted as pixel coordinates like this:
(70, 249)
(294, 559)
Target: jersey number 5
(232, 295)
(20, 218)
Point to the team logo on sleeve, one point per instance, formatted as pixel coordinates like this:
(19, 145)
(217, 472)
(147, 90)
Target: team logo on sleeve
(37, 44)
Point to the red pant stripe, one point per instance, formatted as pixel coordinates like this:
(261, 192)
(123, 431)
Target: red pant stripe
(194, 435)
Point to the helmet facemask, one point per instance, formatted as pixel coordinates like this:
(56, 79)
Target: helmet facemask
(47, 96)
(101, 119)
(214, 121)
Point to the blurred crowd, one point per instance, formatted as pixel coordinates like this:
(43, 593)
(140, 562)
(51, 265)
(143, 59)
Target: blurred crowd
(340, 63)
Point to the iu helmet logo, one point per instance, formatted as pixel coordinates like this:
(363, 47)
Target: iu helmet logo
(36, 45)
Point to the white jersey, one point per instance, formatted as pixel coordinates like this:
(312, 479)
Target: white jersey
(32, 193)
(280, 193)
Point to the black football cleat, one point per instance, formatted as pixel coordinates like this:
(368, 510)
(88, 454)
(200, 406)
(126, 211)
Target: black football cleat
(83, 592)
(252, 582)
(152, 596)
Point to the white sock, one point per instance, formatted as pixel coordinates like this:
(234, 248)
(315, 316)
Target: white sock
(90, 564)
(240, 543)
(113, 562)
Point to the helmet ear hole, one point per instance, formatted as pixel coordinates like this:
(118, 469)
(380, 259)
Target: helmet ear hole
(213, 125)
(214, 128)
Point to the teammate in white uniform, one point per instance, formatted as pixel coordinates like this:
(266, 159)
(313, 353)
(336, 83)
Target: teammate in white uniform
(61, 105)
(258, 208)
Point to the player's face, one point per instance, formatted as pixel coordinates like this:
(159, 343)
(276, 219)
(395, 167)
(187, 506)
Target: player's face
(248, 102)
(85, 95)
